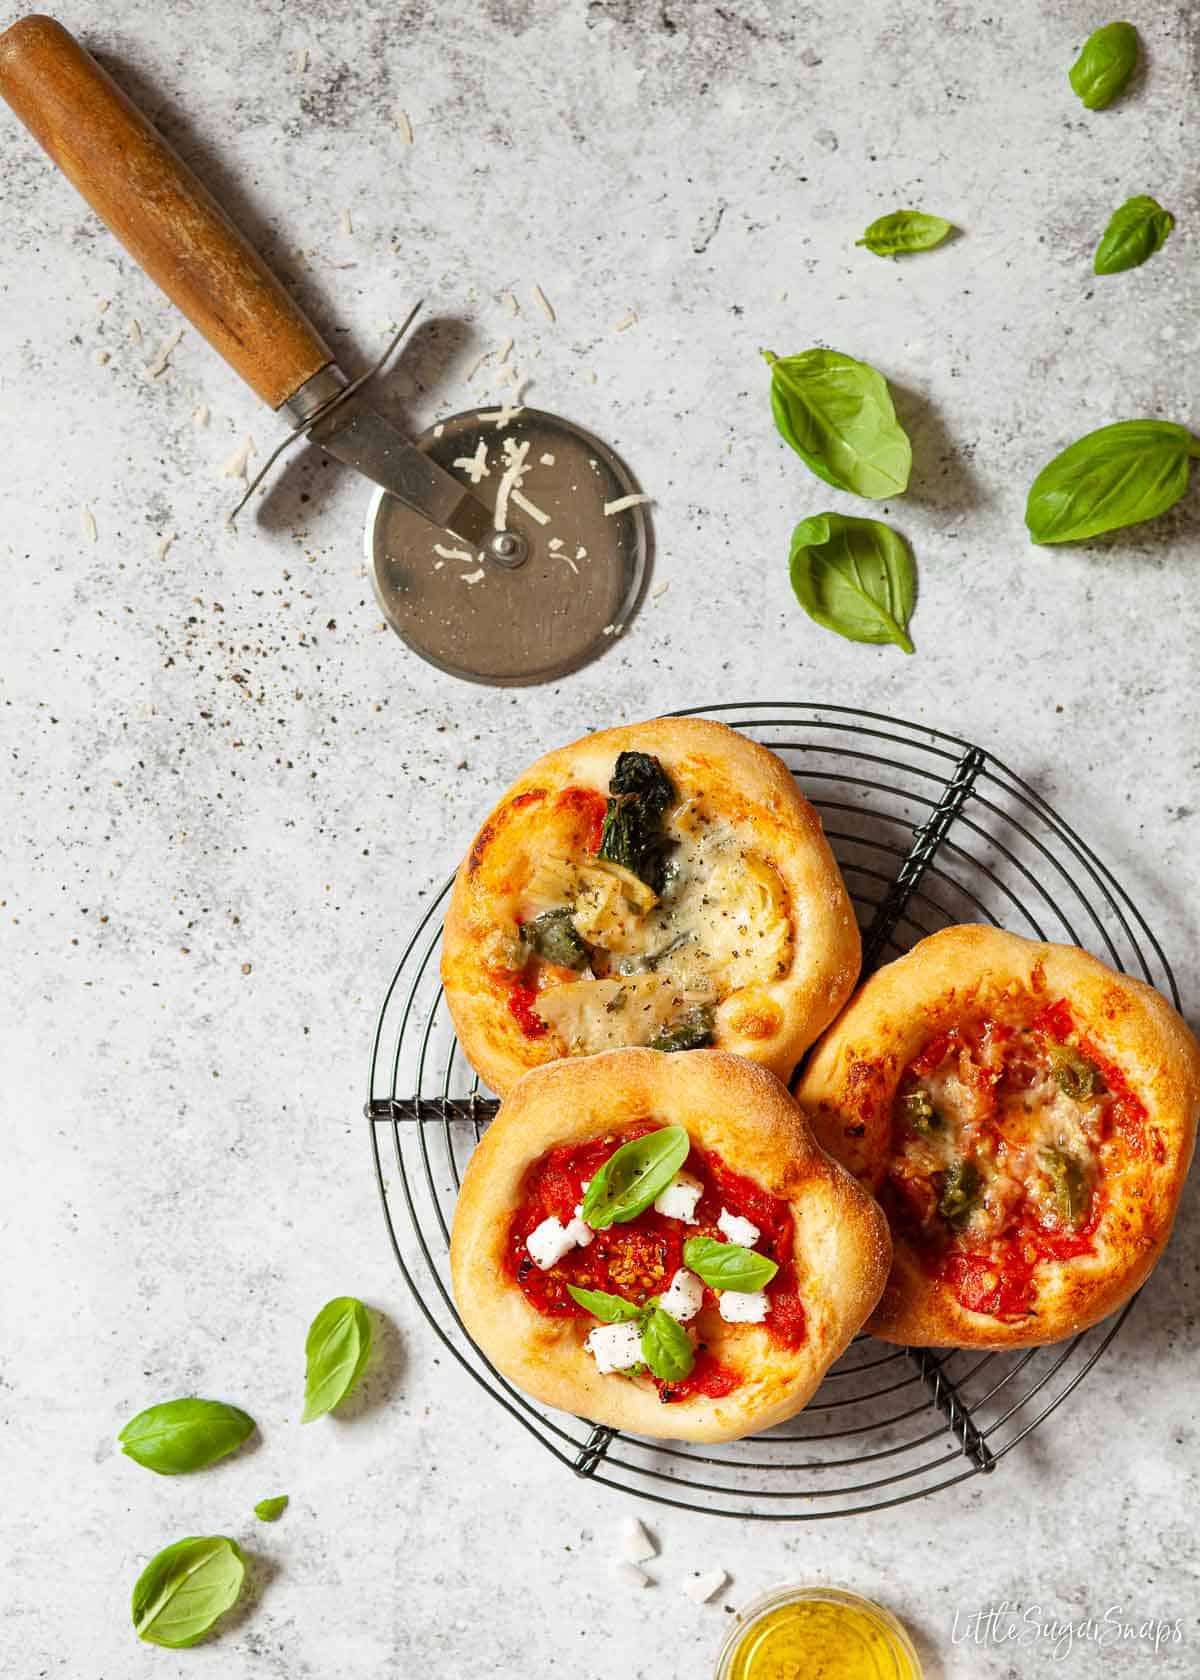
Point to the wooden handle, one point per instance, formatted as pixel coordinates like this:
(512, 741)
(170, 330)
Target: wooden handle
(157, 208)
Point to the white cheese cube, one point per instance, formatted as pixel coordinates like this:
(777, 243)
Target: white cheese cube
(630, 1575)
(685, 1297)
(700, 1588)
(742, 1306)
(638, 1545)
(549, 1241)
(615, 1347)
(678, 1200)
(735, 1229)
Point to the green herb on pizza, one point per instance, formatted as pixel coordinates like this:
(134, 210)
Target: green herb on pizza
(633, 1176)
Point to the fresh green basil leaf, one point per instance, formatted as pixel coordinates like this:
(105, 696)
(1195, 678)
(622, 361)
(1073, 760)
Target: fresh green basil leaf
(609, 1309)
(723, 1265)
(336, 1349)
(837, 415)
(182, 1591)
(855, 576)
(666, 1346)
(633, 1176)
(182, 1435)
(1103, 68)
(270, 1510)
(1138, 229)
(904, 230)
(1117, 476)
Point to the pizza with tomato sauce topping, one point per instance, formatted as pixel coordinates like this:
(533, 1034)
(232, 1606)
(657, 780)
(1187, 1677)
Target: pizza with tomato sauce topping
(1026, 1116)
(656, 1243)
(664, 885)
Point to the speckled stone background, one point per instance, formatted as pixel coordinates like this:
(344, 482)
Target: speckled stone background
(226, 792)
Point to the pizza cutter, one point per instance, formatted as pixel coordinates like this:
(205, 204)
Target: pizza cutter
(508, 546)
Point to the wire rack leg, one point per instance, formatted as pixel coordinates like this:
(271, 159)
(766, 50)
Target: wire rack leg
(954, 1409)
(926, 840)
(593, 1450)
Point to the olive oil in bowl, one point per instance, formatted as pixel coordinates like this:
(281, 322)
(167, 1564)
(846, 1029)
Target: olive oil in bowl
(817, 1633)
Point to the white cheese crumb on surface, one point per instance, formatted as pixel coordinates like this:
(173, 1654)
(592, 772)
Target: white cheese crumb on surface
(235, 466)
(475, 466)
(474, 577)
(102, 306)
(301, 60)
(626, 322)
(506, 374)
(530, 509)
(742, 1306)
(405, 127)
(570, 563)
(656, 594)
(134, 330)
(700, 1588)
(101, 357)
(505, 350)
(504, 416)
(511, 304)
(165, 544)
(678, 1200)
(623, 502)
(581, 553)
(544, 304)
(546, 460)
(343, 265)
(347, 222)
(735, 1229)
(438, 429)
(88, 520)
(453, 553)
(685, 1297)
(475, 366)
(614, 1347)
(630, 1575)
(515, 454)
(161, 362)
(554, 544)
(200, 415)
(637, 1544)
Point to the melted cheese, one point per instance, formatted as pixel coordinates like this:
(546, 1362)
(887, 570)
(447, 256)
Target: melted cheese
(608, 1014)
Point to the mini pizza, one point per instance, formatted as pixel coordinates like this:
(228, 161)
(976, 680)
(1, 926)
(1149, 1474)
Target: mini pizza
(663, 885)
(1026, 1115)
(656, 1243)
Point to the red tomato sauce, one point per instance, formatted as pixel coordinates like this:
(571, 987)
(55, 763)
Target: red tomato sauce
(638, 1259)
(521, 999)
(997, 1275)
(591, 808)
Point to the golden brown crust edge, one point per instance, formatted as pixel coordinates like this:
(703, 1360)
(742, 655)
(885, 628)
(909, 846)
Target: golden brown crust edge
(743, 1113)
(851, 1079)
(827, 953)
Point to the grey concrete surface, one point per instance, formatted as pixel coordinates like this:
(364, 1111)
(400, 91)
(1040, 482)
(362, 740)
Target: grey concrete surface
(227, 792)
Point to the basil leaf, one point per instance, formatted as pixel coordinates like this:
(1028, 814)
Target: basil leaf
(1117, 476)
(182, 1435)
(609, 1309)
(837, 415)
(633, 1176)
(723, 1265)
(666, 1346)
(904, 230)
(855, 576)
(1138, 229)
(336, 1349)
(182, 1591)
(1103, 68)
(270, 1510)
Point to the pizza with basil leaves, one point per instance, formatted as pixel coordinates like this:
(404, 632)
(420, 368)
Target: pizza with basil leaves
(664, 885)
(656, 1243)
(1026, 1116)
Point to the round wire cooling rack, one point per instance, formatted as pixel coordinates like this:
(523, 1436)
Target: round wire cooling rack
(929, 830)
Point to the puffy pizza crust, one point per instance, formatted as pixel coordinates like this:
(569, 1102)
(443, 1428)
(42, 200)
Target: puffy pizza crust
(746, 1116)
(773, 1022)
(849, 1086)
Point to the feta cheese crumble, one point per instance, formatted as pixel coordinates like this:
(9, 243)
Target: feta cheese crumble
(615, 1347)
(549, 1241)
(742, 1306)
(700, 1588)
(685, 1297)
(637, 1544)
(678, 1200)
(735, 1229)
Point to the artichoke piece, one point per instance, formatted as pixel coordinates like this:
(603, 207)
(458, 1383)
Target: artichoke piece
(554, 937)
(692, 1031)
(1072, 1192)
(1074, 1075)
(917, 1109)
(961, 1190)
